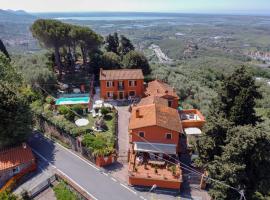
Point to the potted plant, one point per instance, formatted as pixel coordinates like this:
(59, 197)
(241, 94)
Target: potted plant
(156, 169)
(173, 170)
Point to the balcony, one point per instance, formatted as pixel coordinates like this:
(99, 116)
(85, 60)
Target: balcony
(192, 118)
(121, 87)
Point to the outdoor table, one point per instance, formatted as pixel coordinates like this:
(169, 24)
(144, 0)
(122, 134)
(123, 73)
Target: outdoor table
(156, 162)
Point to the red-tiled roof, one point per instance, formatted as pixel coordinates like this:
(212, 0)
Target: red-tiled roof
(121, 74)
(153, 100)
(159, 88)
(12, 157)
(155, 115)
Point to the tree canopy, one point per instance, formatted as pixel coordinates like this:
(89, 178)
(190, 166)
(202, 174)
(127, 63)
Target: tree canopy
(15, 114)
(54, 34)
(112, 43)
(3, 49)
(243, 165)
(134, 60)
(237, 97)
(233, 149)
(125, 46)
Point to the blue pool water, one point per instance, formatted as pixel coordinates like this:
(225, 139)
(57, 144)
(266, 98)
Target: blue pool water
(72, 100)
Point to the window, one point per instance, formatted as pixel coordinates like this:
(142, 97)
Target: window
(170, 103)
(132, 93)
(110, 94)
(120, 84)
(16, 170)
(132, 83)
(168, 136)
(109, 83)
(141, 134)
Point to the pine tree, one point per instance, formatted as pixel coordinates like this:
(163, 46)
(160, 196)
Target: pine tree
(125, 46)
(237, 97)
(112, 43)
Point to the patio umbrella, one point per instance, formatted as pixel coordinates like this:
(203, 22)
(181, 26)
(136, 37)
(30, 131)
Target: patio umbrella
(82, 122)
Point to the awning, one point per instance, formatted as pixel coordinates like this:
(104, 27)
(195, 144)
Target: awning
(193, 131)
(155, 147)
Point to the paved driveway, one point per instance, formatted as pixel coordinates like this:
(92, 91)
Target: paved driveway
(123, 137)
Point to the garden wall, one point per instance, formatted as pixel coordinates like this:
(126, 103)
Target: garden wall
(52, 131)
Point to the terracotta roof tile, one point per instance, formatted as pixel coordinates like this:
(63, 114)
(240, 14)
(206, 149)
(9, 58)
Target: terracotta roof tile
(121, 74)
(12, 157)
(155, 114)
(159, 88)
(153, 100)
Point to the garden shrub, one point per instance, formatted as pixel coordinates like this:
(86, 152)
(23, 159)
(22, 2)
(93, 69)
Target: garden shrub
(104, 111)
(78, 109)
(63, 110)
(99, 145)
(62, 192)
(49, 100)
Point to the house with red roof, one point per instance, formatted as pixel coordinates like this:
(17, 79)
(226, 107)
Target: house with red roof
(121, 83)
(163, 90)
(154, 133)
(15, 162)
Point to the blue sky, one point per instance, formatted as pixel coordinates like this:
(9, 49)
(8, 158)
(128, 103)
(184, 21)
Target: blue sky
(189, 6)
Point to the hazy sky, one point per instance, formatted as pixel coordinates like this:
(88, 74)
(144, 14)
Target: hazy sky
(201, 6)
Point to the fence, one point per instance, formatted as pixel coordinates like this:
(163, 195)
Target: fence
(41, 187)
(58, 176)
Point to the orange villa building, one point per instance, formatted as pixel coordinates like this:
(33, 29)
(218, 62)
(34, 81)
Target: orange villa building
(154, 132)
(121, 83)
(163, 90)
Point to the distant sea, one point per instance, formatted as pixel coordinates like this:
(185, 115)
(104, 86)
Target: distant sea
(113, 18)
(108, 16)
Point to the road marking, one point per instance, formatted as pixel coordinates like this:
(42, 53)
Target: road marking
(80, 159)
(45, 159)
(128, 188)
(114, 179)
(88, 163)
(105, 174)
(143, 198)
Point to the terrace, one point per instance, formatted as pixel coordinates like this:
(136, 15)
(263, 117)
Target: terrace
(192, 118)
(148, 169)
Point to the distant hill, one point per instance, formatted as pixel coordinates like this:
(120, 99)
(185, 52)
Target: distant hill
(15, 16)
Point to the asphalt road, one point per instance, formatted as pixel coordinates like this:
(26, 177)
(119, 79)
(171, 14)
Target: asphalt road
(98, 184)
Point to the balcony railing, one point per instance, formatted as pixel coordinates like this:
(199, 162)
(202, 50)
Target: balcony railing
(121, 87)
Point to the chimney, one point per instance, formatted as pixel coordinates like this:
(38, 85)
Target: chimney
(24, 145)
(101, 72)
(138, 113)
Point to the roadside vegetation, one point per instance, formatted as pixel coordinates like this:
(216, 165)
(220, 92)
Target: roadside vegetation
(62, 192)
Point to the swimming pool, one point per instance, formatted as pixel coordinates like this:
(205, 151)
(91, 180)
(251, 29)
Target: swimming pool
(72, 100)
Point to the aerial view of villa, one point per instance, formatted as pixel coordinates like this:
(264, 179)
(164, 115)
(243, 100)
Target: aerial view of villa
(134, 100)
